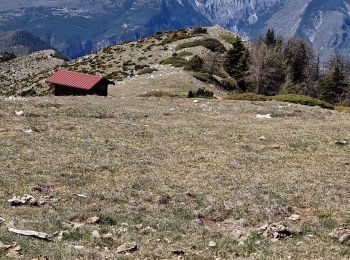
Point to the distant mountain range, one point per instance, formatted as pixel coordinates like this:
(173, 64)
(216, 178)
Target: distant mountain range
(21, 43)
(77, 27)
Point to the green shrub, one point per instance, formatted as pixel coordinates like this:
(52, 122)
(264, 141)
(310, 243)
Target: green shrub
(146, 71)
(184, 54)
(181, 35)
(205, 77)
(343, 109)
(247, 96)
(303, 100)
(220, 72)
(212, 44)
(140, 67)
(230, 38)
(200, 30)
(175, 61)
(200, 93)
(6, 56)
(229, 84)
(194, 64)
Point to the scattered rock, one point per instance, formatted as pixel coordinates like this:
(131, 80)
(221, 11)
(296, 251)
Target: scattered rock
(275, 231)
(41, 258)
(61, 234)
(262, 138)
(294, 217)
(80, 195)
(30, 200)
(195, 101)
(108, 236)
(2, 220)
(236, 229)
(276, 147)
(178, 252)
(11, 251)
(341, 234)
(95, 234)
(127, 248)
(28, 130)
(19, 113)
(93, 220)
(162, 200)
(341, 142)
(267, 116)
(30, 233)
(212, 244)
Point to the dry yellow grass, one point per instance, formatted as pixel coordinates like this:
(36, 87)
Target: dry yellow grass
(171, 174)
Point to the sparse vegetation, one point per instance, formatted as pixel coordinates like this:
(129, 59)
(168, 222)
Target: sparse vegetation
(199, 30)
(175, 61)
(210, 43)
(303, 100)
(158, 93)
(177, 36)
(204, 77)
(146, 71)
(247, 96)
(6, 56)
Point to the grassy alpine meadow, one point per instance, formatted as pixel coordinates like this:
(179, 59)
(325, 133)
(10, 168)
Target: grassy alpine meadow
(158, 177)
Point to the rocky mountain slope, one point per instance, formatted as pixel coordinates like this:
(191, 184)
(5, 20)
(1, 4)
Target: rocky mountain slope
(21, 43)
(134, 63)
(16, 75)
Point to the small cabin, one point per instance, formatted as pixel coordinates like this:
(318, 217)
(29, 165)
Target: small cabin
(71, 83)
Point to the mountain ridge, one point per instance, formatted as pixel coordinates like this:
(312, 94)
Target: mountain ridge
(95, 24)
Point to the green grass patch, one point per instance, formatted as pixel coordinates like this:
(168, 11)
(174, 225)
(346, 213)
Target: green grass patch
(342, 109)
(202, 76)
(228, 38)
(303, 100)
(212, 44)
(291, 98)
(175, 61)
(146, 71)
(229, 84)
(247, 96)
(158, 94)
(176, 37)
(183, 54)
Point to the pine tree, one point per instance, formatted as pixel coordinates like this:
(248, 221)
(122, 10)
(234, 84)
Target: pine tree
(236, 63)
(333, 85)
(270, 38)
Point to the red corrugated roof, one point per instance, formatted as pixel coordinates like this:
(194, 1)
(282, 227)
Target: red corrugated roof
(74, 79)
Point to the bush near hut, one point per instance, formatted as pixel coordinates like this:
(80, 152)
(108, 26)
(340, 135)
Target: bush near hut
(200, 93)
